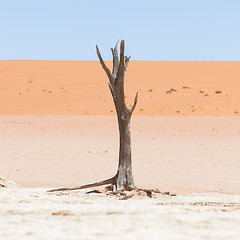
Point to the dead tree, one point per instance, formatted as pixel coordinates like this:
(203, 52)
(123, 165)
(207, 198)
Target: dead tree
(123, 180)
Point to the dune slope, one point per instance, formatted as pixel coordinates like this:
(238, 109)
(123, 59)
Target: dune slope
(80, 87)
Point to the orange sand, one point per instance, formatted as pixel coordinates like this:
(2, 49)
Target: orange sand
(80, 87)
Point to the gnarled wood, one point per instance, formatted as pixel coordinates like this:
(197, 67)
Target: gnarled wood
(123, 180)
(115, 61)
(110, 76)
(126, 62)
(97, 184)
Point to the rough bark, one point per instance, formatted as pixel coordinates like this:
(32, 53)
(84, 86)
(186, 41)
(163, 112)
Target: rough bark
(124, 177)
(123, 180)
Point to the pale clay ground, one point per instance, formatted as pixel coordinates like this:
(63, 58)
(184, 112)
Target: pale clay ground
(36, 214)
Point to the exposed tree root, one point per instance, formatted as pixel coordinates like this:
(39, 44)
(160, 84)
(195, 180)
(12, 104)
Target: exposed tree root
(149, 192)
(93, 191)
(127, 197)
(111, 189)
(97, 184)
(118, 194)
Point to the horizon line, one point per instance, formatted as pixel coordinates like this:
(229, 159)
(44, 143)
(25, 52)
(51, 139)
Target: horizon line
(67, 60)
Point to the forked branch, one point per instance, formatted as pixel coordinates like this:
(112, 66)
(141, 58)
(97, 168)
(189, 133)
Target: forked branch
(112, 91)
(120, 73)
(108, 72)
(126, 62)
(115, 61)
(134, 104)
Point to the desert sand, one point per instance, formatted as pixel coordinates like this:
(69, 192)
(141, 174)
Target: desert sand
(34, 214)
(80, 87)
(58, 129)
(177, 154)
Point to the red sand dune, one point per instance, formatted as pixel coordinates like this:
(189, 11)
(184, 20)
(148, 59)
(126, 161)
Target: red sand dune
(80, 87)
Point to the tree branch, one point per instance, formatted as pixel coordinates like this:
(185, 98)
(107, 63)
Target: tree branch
(110, 76)
(112, 91)
(126, 62)
(134, 104)
(115, 61)
(120, 73)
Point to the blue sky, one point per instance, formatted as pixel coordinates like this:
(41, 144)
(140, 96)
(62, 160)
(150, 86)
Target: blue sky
(171, 30)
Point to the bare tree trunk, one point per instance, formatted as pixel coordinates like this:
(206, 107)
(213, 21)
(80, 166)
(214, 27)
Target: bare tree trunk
(123, 180)
(124, 177)
(124, 174)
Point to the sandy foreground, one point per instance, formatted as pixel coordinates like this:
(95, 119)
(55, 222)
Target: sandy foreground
(35, 214)
(197, 158)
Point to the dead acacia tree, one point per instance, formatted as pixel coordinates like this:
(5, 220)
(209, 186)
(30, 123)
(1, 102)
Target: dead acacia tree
(123, 180)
